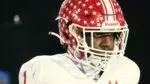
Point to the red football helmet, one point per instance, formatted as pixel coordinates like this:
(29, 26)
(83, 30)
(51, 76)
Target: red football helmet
(80, 17)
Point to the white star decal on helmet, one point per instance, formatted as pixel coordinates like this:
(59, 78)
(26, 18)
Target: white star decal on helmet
(70, 12)
(92, 21)
(79, 10)
(64, 15)
(94, 13)
(75, 16)
(63, 25)
(85, 22)
(86, 0)
(79, 2)
(79, 20)
(67, 17)
(69, 1)
(90, 6)
(71, 4)
(98, 3)
(83, 5)
(98, 24)
(74, 6)
(86, 12)
(73, 40)
(101, 18)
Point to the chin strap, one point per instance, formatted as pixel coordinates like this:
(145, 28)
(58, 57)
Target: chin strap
(57, 35)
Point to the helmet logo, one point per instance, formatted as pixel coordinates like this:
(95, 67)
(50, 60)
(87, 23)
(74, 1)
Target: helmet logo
(111, 24)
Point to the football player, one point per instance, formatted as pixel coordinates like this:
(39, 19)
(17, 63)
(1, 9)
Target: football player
(95, 35)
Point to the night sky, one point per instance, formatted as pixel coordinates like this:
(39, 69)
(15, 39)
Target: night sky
(20, 42)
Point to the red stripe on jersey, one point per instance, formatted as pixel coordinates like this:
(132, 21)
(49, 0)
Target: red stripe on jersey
(109, 82)
(25, 77)
(116, 82)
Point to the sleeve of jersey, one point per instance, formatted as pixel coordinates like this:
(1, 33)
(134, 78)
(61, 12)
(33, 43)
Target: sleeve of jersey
(29, 72)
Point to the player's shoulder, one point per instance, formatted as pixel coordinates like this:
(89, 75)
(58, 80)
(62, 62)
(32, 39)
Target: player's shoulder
(46, 57)
(129, 68)
(128, 63)
(43, 59)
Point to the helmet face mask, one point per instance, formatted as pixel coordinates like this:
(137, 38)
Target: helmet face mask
(79, 26)
(84, 50)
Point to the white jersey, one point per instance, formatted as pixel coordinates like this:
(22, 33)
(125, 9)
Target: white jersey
(60, 69)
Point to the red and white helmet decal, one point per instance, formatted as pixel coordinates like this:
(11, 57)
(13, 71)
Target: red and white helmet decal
(92, 13)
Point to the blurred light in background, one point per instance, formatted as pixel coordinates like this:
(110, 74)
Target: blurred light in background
(16, 19)
(4, 77)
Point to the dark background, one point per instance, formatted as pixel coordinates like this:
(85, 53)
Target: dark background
(20, 42)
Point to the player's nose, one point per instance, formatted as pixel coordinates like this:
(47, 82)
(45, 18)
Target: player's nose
(106, 43)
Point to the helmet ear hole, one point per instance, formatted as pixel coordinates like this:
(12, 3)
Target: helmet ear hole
(68, 23)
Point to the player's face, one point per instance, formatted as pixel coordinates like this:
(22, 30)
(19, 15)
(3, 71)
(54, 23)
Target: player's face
(104, 41)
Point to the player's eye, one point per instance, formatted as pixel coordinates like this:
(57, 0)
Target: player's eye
(100, 35)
